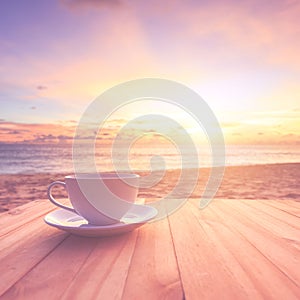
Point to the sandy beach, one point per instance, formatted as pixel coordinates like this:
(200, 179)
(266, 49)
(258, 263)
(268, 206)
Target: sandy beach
(274, 181)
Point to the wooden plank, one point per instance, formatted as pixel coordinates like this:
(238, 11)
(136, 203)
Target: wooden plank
(23, 214)
(205, 273)
(20, 215)
(22, 236)
(228, 250)
(103, 274)
(24, 227)
(23, 258)
(278, 264)
(293, 204)
(17, 217)
(50, 278)
(153, 273)
(289, 206)
(281, 248)
(19, 209)
(260, 215)
(24, 246)
(275, 213)
(28, 240)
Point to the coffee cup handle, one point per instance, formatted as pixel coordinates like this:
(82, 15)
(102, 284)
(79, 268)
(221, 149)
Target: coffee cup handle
(50, 197)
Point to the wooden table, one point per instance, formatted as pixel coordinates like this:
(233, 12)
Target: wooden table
(233, 249)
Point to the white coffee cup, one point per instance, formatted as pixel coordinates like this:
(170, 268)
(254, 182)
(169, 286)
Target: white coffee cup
(102, 199)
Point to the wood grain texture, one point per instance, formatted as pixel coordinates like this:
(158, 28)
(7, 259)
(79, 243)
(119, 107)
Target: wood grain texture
(103, 274)
(276, 248)
(24, 236)
(276, 214)
(270, 260)
(153, 272)
(16, 217)
(54, 273)
(205, 274)
(27, 255)
(261, 216)
(289, 206)
(232, 249)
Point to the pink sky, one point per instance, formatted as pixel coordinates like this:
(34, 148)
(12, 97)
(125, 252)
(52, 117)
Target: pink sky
(242, 57)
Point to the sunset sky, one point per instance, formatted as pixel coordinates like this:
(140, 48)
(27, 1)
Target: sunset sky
(241, 57)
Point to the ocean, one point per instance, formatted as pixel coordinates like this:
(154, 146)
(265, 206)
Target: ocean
(57, 158)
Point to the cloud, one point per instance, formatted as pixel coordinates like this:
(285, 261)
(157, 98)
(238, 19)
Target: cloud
(41, 87)
(89, 4)
(20, 132)
(65, 137)
(87, 59)
(186, 41)
(229, 124)
(11, 132)
(43, 138)
(17, 131)
(43, 133)
(8, 134)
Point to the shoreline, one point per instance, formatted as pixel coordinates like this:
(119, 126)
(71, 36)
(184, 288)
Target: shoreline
(157, 170)
(261, 181)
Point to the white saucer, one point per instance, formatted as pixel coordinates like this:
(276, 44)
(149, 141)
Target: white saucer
(73, 223)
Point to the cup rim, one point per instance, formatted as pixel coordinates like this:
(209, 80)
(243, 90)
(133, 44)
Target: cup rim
(103, 175)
